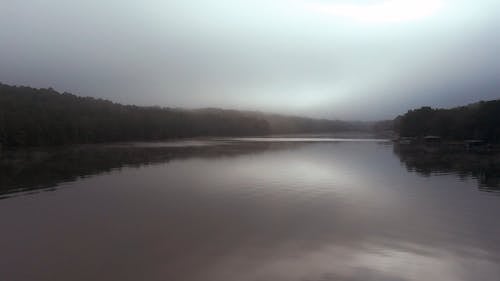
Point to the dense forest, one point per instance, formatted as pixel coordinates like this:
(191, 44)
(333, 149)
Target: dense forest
(36, 117)
(475, 121)
(32, 117)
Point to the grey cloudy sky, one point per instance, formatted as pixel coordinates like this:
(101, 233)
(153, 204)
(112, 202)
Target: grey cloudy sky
(369, 59)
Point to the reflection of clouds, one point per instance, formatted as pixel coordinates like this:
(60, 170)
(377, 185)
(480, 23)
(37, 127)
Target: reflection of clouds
(353, 227)
(313, 212)
(366, 262)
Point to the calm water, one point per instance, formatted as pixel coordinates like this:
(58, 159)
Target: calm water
(305, 210)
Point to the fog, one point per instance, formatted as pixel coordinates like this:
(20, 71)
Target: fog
(362, 60)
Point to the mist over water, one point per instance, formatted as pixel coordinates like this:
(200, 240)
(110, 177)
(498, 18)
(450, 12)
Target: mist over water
(359, 60)
(249, 140)
(248, 209)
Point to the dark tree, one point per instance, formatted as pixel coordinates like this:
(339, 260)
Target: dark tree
(475, 121)
(37, 117)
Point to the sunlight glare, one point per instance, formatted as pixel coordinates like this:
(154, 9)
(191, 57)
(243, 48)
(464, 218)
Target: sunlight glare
(385, 11)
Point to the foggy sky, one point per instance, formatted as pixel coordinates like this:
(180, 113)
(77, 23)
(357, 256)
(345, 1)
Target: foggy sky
(364, 60)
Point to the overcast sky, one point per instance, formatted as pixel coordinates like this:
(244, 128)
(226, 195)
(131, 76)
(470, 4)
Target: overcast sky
(364, 59)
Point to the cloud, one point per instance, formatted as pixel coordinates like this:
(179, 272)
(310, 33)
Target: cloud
(266, 55)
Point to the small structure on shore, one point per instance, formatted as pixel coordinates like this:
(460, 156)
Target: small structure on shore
(432, 139)
(406, 140)
(476, 145)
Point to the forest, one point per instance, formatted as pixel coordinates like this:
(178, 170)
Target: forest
(38, 117)
(479, 121)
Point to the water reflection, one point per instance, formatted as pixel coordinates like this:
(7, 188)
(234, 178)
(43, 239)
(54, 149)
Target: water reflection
(427, 161)
(256, 212)
(46, 169)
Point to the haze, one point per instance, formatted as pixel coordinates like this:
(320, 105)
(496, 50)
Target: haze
(362, 60)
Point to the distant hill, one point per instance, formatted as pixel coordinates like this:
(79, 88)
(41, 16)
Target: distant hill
(286, 124)
(35, 117)
(479, 120)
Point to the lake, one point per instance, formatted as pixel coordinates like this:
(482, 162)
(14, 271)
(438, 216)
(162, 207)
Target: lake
(255, 209)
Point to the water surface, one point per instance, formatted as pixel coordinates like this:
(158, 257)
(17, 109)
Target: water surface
(249, 209)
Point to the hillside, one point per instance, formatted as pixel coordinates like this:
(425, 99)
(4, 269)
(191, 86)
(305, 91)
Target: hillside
(35, 117)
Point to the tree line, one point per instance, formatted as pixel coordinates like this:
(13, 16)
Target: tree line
(37, 117)
(475, 121)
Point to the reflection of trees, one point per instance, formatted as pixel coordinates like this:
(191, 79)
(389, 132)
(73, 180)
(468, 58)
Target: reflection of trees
(430, 160)
(44, 169)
